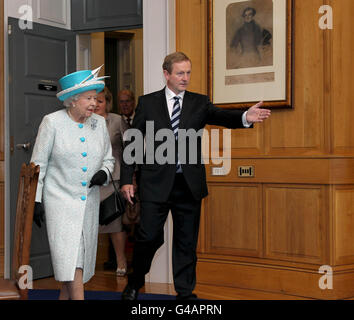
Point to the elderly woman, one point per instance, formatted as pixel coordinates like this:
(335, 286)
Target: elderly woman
(74, 152)
(115, 128)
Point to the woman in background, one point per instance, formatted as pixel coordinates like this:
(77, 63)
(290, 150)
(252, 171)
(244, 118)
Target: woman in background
(114, 126)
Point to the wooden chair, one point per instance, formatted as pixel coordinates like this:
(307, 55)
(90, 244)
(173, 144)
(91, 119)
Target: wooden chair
(10, 289)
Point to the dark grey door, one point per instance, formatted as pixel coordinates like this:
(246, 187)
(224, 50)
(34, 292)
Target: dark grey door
(37, 59)
(106, 14)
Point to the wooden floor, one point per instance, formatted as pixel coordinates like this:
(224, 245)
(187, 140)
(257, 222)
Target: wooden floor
(108, 281)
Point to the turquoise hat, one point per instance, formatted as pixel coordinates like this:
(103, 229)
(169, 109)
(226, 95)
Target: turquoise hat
(79, 82)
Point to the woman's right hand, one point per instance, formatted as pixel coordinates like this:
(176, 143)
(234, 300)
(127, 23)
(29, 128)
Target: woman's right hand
(128, 192)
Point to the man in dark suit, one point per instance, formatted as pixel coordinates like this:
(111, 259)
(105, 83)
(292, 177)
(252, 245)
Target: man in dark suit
(178, 186)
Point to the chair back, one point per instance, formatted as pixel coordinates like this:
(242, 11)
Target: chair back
(24, 219)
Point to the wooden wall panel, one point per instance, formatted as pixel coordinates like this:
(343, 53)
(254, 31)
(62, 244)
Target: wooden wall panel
(341, 79)
(290, 170)
(302, 282)
(344, 224)
(295, 223)
(2, 245)
(244, 142)
(247, 142)
(191, 38)
(2, 139)
(233, 219)
(2, 114)
(301, 130)
(304, 165)
(288, 132)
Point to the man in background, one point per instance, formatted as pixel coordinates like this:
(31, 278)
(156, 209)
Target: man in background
(126, 105)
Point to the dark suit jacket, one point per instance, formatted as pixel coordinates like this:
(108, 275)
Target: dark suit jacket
(156, 180)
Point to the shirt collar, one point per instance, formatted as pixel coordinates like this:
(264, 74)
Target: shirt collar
(131, 117)
(170, 94)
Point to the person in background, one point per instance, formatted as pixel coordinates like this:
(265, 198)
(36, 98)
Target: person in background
(114, 126)
(126, 106)
(74, 153)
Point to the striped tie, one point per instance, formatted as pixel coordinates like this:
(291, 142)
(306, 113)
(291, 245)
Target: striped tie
(176, 113)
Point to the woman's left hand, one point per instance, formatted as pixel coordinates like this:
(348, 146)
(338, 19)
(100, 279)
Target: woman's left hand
(98, 179)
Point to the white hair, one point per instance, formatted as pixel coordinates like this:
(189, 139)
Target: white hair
(69, 101)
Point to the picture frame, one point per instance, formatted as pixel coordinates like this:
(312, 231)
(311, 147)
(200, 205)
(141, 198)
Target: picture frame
(250, 53)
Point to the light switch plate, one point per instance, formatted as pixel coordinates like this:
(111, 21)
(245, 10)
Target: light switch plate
(246, 171)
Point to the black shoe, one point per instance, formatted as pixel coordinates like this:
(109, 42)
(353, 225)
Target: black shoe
(191, 296)
(129, 293)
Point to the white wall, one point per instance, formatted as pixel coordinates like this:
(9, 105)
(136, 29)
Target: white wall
(159, 40)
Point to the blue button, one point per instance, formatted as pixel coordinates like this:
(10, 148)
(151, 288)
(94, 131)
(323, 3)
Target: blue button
(84, 154)
(83, 198)
(84, 169)
(82, 139)
(84, 183)
(81, 125)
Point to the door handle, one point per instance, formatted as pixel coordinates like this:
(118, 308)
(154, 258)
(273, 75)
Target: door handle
(24, 146)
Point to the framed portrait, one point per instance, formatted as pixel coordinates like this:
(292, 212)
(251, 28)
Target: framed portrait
(250, 53)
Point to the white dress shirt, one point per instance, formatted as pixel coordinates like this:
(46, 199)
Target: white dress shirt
(125, 118)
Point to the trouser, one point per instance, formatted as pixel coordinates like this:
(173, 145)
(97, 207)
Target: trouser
(150, 236)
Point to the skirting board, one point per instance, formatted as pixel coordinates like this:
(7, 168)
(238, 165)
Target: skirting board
(277, 279)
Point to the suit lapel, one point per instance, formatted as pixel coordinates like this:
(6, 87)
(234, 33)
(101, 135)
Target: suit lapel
(163, 107)
(187, 109)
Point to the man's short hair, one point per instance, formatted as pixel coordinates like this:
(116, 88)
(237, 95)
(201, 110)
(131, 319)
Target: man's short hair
(174, 58)
(249, 9)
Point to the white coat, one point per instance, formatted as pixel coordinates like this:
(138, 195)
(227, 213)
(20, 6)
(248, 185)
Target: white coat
(69, 154)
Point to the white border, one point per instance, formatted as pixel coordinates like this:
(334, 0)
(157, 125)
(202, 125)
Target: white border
(266, 91)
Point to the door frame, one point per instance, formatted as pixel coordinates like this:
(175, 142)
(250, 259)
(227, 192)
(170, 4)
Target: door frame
(7, 236)
(155, 49)
(2, 140)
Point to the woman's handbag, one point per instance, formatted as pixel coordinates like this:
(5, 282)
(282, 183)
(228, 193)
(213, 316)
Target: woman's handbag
(112, 207)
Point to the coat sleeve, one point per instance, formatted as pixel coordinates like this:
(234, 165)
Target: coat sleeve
(228, 118)
(41, 152)
(108, 159)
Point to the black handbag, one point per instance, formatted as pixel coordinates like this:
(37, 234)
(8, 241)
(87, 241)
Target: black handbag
(112, 207)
